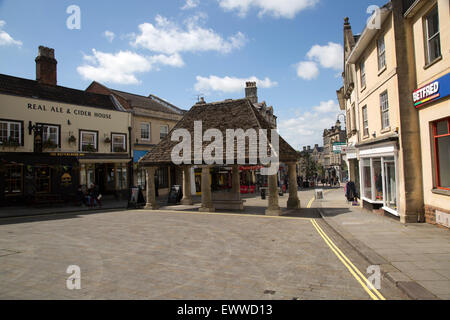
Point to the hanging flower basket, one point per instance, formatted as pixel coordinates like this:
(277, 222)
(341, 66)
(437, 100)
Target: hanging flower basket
(72, 139)
(107, 140)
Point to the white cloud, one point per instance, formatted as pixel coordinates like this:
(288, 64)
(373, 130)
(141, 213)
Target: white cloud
(307, 128)
(190, 4)
(6, 39)
(307, 70)
(122, 67)
(229, 84)
(109, 35)
(330, 56)
(166, 37)
(277, 8)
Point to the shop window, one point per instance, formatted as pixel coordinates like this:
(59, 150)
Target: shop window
(145, 131)
(10, 132)
(433, 39)
(441, 135)
(384, 102)
(14, 180)
(390, 183)
(380, 182)
(381, 54)
(365, 121)
(378, 179)
(164, 132)
(119, 143)
(43, 179)
(122, 176)
(367, 178)
(88, 141)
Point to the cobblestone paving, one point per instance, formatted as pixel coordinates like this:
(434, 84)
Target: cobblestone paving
(162, 255)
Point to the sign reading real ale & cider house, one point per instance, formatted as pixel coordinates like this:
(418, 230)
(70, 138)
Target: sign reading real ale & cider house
(433, 91)
(68, 111)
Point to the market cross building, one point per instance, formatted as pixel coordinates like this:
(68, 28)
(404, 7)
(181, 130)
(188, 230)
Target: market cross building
(222, 116)
(55, 139)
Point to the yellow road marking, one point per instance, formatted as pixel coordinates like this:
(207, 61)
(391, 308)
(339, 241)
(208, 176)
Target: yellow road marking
(373, 292)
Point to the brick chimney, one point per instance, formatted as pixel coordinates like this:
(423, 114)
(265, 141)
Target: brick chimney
(46, 66)
(251, 92)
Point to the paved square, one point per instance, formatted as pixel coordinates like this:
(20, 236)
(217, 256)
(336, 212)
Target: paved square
(169, 255)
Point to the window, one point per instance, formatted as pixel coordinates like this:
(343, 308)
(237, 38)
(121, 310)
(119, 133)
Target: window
(353, 119)
(381, 54)
(162, 178)
(391, 183)
(142, 179)
(363, 74)
(119, 143)
(145, 131)
(380, 182)
(51, 135)
(13, 180)
(88, 141)
(433, 36)
(367, 178)
(10, 132)
(164, 132)
(122, 177)
(384, 102)
(441, 135)
(365, 121)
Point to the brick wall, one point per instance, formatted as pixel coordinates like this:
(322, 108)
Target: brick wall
(430, 214)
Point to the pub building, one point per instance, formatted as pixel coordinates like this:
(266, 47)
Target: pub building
(55, 139)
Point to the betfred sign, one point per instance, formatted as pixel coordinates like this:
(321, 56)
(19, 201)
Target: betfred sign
(433, 91)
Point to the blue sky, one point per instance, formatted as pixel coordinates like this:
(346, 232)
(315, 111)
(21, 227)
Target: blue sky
(181, 48)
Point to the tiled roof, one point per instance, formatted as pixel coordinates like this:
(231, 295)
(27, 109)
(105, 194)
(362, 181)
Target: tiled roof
(230, 114)
(151, 103)
(33, 89)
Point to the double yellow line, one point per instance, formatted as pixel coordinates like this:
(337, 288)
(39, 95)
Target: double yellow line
(366, 284)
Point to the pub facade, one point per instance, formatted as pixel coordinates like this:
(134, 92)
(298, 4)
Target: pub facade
(55, 141)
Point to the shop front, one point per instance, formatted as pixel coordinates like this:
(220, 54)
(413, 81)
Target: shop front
(34, 179)
(110, 175)
(379, 177)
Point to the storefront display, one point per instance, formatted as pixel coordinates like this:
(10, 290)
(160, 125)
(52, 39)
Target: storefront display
(379, 175)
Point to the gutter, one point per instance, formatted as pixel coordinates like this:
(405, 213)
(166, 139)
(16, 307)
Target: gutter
(368, 34)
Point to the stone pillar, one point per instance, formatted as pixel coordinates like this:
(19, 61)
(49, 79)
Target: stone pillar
(236, 180)
(152, 204)
(274, 208)
(293, 202)
(207, 204)
(187, 192)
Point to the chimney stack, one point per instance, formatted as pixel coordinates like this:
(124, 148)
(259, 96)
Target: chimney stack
(251, 92)
(46, 66)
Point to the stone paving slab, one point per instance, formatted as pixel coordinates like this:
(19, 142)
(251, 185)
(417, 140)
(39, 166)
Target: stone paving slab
(141, 254)
(420, 253)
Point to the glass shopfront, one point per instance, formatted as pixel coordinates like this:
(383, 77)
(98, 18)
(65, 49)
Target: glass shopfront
(379, 175)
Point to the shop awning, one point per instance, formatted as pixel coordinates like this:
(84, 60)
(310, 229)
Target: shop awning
(138, 155)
